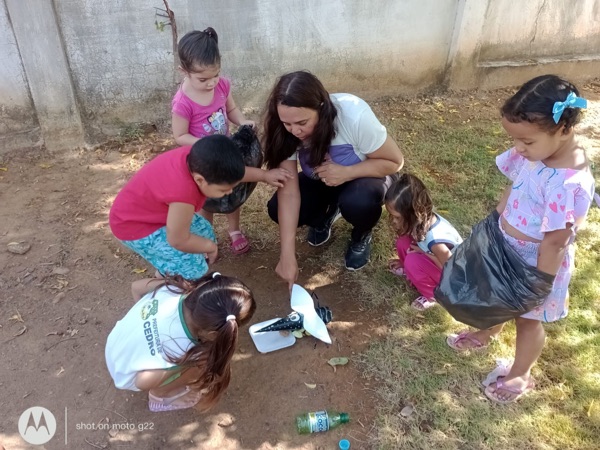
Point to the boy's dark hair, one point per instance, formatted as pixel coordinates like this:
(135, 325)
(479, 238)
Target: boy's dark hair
(198, 49)
(409, 197)
(534, 101)
(217, 159)
(301, 90)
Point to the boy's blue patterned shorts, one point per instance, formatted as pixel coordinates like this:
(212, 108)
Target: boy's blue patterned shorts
(169, 261)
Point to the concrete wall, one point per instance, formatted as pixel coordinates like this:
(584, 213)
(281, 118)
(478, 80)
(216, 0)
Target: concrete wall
(18, 121)
(103, 64)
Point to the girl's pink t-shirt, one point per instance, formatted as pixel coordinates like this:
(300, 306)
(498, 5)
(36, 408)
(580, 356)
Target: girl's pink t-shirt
(204, 120)
(542, 198)
(141, 207)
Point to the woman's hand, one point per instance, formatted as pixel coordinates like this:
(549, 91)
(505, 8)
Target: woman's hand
(332, 174)
(287, 268)
(277, 177)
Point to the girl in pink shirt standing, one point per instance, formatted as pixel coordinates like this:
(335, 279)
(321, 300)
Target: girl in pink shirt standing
(203, 106)
(550, 192)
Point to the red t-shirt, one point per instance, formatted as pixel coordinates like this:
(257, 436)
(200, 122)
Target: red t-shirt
(142, 206)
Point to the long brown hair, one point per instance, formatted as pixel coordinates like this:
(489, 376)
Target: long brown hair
(300, 90)
(409, 197)
(210, 300)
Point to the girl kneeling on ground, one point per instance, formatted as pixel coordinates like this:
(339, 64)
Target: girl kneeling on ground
(178, 340)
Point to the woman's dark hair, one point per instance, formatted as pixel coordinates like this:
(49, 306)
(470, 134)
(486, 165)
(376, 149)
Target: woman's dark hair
(210, 300)
(199, 49)
(300, 90)
(535, 100)
(218, 159)
(409, 197)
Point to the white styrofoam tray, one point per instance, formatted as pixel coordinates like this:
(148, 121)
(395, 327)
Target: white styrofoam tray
(269, 341)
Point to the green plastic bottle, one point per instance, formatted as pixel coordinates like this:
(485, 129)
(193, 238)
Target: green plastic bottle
(315, 422)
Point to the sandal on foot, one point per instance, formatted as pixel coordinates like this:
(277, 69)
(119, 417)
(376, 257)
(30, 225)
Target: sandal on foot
(183, 400)
(454, 341)
(239, 243)
(422, 303)
(395, 267)
(502, 369)
(500, 384)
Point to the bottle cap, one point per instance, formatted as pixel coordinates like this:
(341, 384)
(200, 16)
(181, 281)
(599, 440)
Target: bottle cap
(344, 417)
(344, 444)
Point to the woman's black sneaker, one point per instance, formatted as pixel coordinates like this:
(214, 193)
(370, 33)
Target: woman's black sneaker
(359, 252)
(319, 235)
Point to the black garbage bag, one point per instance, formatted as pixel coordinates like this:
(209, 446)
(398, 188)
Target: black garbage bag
(486, 282)
(249, 145)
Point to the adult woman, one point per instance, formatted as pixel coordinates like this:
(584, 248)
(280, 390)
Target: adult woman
(346, 158)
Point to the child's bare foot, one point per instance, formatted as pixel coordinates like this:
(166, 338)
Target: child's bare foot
(506, 391)
(469, 340)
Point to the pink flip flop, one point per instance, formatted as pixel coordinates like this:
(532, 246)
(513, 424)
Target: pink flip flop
(183, 400)
(395, 268)
(492, 395)
(454, 340)
(422, 303)
(240, 245)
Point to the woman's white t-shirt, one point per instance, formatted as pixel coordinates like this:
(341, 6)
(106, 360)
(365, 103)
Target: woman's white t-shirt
(357, 133)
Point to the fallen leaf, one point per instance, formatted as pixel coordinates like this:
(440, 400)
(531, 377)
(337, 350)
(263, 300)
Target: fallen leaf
(310, 386)
(443, 211)
(4, 169)
(407, 411)
(45, 166)
(60, 271)
(62, 369)
(17, 317)
(138, 270)
(227, 422)
(339, 361)
(58, 298)
(21, 331)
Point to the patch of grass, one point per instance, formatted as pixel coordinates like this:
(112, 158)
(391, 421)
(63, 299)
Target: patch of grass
(454, 153)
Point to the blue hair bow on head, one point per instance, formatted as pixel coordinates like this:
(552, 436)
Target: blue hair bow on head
(572, 101)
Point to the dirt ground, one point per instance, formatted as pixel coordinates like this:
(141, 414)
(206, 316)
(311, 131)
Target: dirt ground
(60, 300)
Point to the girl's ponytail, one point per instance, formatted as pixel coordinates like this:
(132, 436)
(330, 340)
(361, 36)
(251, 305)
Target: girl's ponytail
(217, 305)
(198, 50)
(212, 34)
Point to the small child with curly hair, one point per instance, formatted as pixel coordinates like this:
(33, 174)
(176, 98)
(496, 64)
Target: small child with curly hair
(425, 239)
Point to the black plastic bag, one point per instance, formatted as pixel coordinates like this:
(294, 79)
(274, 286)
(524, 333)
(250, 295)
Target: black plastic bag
(249, 145)
(486, 282)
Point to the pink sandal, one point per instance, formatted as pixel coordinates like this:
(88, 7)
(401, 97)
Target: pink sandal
(183, 400)
(493, 396)
(240, 245)
(454, 340)
(422, 303)
(395, 267)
